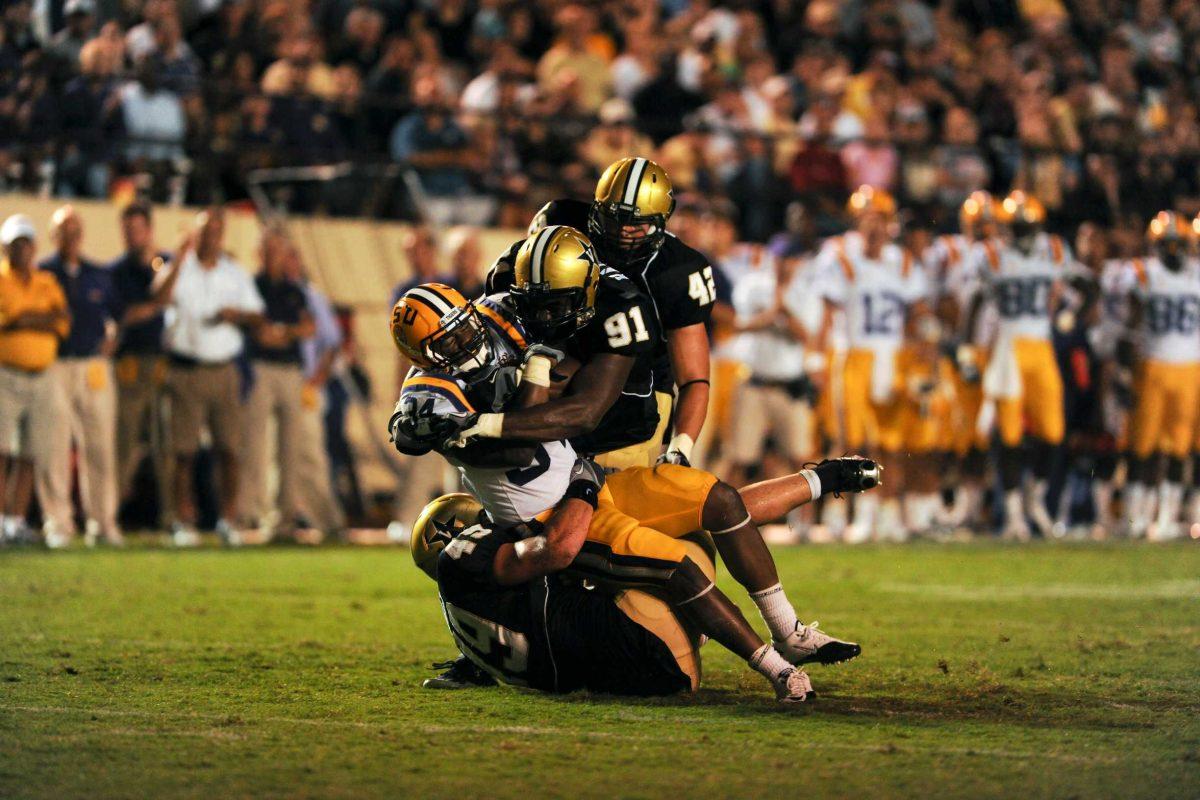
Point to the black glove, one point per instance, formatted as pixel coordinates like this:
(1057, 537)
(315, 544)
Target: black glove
(427, 432)
(848, 474)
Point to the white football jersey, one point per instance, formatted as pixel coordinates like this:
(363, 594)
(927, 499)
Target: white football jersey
(944, 261)
(509, 494)
(1170, 328)
(1116, 281)
(874, 293)
(1019, 285)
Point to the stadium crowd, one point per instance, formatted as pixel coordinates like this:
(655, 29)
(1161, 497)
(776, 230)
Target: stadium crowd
(497, 107)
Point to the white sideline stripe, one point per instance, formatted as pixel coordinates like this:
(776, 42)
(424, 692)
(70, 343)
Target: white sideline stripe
(1162, 590)
(532, 730)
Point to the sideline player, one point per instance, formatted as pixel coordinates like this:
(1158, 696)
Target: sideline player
(880, 289)
(1022, 382)
(626, 222)
(1165, 313)
(948, 259)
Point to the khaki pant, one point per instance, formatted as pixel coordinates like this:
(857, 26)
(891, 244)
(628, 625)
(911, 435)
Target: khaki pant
(84, 408)
(26, 418)
(141, 425)
(770, 411)
(280, 395)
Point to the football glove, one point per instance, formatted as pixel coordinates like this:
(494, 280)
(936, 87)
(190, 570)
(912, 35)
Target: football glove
(585, 469)
(555, 356)
(430, 431)
(679, 451)
(848, 474)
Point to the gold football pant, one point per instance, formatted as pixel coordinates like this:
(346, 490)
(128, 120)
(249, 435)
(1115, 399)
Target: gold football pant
(642, 454)
(1041, 401)
(642, 515)
(1165, 415)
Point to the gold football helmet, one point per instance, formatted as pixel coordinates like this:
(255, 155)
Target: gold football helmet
(977, 215)
(870, 198)
(628, 218)
(435, 326)
(437, 525)
(1024, 215)
(1169, 236)
(554, 282)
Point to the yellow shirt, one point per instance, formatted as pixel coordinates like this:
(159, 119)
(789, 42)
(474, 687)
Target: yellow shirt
(29, 350)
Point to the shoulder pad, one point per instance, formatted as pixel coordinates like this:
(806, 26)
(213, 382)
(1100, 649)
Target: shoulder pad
(497, 312)
(445, 390)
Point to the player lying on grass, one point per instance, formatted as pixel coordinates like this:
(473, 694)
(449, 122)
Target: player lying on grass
(635, 534)
(515, 618)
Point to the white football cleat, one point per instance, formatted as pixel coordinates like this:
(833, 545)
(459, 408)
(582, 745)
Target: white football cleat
(184, 536)
(793, 686)
(808, 643)
(229, 535)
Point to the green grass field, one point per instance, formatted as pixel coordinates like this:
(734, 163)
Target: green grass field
(1043, 670)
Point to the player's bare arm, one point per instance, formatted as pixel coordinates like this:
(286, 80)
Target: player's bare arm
(688, 348)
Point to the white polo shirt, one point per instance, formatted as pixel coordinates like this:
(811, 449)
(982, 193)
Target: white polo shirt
(192, 328)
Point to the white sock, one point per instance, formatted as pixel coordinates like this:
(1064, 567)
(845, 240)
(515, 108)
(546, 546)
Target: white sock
(776, 611)
(768, 663)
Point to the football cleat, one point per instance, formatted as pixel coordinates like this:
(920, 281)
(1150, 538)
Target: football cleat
(808, 643)
(229, 535)
(848, 474)
(793, 686)
(461, 673)
(183, 535)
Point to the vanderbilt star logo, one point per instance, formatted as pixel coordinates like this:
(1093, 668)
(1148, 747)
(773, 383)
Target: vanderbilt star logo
(443, 531)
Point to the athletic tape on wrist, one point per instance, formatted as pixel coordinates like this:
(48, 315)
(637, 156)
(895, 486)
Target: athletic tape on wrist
(489, 426)
(537, 371)
(814, 482)
(530, 546)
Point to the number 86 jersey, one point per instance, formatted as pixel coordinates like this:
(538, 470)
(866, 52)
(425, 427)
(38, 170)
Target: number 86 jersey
(1171, 321)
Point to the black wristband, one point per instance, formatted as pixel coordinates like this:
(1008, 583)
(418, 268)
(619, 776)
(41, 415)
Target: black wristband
(686, 384)
(583, 490)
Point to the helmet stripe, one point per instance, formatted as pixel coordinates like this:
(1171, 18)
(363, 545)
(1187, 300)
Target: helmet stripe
(539, 248)
(635, 178)
(437, 288)
(432, 299)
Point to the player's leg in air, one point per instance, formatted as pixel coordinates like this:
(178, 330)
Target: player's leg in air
(665, 499)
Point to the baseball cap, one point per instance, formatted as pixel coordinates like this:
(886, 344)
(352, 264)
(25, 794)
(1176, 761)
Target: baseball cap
(16, 227)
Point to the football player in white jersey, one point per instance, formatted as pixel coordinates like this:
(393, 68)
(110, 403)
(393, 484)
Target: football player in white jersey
(1022, 382)
(880, 288)
(948, 260)
(1165, 313)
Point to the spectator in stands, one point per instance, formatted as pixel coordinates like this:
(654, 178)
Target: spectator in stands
(574, 59)
(85, 400)
(153, 120)
(213, 302)
(431, 141)
(299, 71)
(177, 65)
(140, 40)
(81, 19)
(615, 138)
(140, 365)
(33, 321)
(90, 119)
(277, 396)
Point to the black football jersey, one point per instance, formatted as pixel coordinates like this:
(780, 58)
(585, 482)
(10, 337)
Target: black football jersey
(548, 634)
(623, 324)
(678, 280)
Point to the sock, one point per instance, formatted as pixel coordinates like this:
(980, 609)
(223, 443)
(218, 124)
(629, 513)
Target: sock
(776, 611)
(768, 663)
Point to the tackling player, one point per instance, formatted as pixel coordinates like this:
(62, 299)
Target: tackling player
(626, 222)
(1022, 380)
(1165, 312)
(880, 288)
(432, 324)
